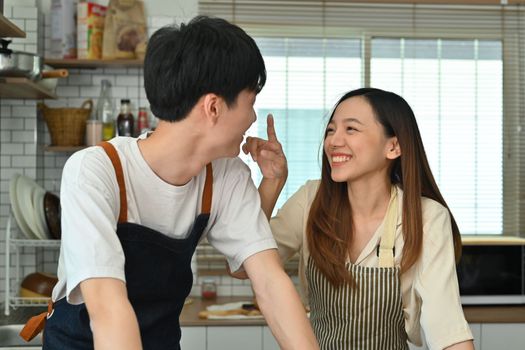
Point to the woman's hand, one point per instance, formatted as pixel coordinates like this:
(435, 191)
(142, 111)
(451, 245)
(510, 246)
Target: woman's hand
(268, 154)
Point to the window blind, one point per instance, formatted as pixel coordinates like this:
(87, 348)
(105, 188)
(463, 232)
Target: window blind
(461, 67)
(305, 77)
(455, 90)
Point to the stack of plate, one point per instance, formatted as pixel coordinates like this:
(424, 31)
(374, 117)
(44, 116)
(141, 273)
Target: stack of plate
(27, 202)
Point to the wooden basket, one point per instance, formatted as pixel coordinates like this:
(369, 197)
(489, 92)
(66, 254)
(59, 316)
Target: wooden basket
(67, 126)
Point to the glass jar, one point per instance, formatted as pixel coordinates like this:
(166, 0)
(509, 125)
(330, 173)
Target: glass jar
(93, 132)
(208, 289)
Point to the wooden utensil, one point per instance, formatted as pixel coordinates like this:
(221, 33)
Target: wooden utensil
(55, 73)
(206, 313)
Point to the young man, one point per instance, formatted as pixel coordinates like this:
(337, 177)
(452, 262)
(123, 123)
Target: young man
(134, 210)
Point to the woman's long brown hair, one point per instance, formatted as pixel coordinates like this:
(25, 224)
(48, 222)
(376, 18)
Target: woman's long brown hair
(329, 228)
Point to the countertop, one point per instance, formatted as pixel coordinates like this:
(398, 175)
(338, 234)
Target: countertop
(473, 314)
(495, 314)
(189, 316)
(190, 313)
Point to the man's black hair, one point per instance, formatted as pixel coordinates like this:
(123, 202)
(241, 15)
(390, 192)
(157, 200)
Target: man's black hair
(207, 55)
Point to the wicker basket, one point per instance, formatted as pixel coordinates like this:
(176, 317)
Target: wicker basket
(67, 126)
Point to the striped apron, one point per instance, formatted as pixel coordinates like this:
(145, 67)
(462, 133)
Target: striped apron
(369, 316)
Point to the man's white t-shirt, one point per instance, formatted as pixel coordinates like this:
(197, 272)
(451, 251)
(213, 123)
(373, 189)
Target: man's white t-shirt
(90, 203)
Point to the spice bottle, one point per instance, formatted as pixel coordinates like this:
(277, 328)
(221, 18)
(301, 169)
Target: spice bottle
(142, 121)
(125, 121)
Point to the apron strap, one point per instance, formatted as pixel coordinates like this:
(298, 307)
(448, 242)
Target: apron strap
(386, 246)
(208, 190)
(36, 323)
(123, 215)
(115, 160)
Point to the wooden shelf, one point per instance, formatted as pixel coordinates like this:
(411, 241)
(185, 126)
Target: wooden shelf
(63, 148)
(9, 29)
(18, 88)
(92, 64)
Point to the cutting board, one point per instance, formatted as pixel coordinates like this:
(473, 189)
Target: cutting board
(230, 311)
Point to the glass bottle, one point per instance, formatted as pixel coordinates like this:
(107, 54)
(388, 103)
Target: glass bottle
(105, 111)
(142, 121)
(125, 121)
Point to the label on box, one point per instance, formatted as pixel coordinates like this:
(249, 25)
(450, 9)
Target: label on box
(90, 30)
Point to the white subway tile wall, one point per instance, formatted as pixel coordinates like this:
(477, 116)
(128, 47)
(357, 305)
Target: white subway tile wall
(24, 135)
(18, 140)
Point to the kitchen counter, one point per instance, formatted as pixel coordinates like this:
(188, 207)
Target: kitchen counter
(495, 314)
(189, 316)
(473, 314)
(190, 313)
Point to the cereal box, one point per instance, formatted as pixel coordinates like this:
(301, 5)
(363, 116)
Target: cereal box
(90, 30)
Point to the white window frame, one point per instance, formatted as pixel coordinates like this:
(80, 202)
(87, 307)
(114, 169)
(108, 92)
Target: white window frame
(512, 221)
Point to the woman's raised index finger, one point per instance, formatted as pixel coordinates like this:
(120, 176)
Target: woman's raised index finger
(270, 128)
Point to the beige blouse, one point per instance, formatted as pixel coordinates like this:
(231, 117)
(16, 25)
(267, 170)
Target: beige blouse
(429, 289)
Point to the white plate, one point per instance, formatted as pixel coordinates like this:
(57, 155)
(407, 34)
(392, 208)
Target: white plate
(24, 193)
(19, 217)
(40, 215)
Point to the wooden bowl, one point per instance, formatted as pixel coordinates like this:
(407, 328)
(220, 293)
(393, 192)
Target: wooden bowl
(52, 210)
(38, 285)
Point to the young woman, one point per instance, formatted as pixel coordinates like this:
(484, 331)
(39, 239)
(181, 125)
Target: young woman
(376, 240)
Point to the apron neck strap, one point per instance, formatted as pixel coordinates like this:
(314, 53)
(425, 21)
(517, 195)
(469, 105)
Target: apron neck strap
(208, 190)
(123, 214)
(386, 247)
(115, 160)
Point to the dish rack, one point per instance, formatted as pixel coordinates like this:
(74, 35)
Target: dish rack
(12, 300)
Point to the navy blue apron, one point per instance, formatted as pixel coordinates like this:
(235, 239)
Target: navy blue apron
(158, 279)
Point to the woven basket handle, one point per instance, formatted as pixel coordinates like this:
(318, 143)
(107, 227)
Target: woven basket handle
(41, 106)
(88, 103)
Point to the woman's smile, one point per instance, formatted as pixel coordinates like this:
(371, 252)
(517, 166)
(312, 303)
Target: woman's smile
(339, 159)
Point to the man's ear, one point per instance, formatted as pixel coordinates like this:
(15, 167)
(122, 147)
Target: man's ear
(212, 105)
(393, 148)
